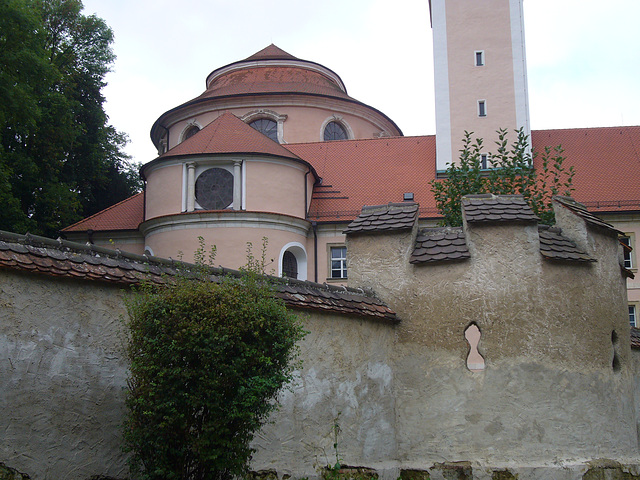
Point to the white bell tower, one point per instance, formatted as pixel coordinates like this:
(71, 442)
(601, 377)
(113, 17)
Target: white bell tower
(480, 72)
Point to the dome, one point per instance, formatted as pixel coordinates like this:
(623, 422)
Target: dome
(274, 71)
(275, 85)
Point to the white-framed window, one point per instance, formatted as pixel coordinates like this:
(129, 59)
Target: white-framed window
(633, 316)
(189, 131)
(267, 122)
(338, 262)
(627, 251)
(335, 127)
(293, 261)
(485, 161)
(214, 189)
(478, 57)
(482, 108)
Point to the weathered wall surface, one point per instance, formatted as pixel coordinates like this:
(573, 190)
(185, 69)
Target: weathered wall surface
(61, 377)
(346, 380)
(551, 390)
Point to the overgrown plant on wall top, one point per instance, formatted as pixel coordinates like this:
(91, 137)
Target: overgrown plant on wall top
(510, 172)
(207, 362)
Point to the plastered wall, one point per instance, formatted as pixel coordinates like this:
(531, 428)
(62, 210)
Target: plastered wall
(549, 393)
(62, 376)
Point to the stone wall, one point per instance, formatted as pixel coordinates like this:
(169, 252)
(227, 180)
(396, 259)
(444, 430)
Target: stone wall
(557, 386)
(62, 376)
(550, 394)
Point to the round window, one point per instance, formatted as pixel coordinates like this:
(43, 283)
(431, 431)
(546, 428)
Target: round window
(266, 127)
(334, 131)
(214, 189)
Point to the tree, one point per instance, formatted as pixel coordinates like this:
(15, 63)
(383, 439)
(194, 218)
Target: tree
(207, 361)
(60, 160)
(512, 172)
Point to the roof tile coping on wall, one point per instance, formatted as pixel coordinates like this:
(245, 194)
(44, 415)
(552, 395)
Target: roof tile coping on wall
(384, 218)
(592, 221)
(489, 208)
(635, 337)
(440, 245)
(449, 244)
(555, 246)
(581, 210)
(63, 258)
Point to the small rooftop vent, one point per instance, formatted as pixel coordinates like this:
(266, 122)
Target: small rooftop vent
(408, 197)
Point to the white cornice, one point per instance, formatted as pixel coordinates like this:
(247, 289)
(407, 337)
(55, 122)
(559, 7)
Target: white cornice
(225, 219)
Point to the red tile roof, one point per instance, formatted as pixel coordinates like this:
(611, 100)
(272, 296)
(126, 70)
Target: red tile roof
(607, 163)
(273, 79)
(228, 134)
(378, 171)
(369, 172)
(125, 215)
(271, 52)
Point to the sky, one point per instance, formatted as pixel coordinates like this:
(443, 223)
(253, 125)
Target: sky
(583, 56)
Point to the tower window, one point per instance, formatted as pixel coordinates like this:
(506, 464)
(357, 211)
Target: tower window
(334, 131)
(482, 108)
(267, 127)
(479, 58)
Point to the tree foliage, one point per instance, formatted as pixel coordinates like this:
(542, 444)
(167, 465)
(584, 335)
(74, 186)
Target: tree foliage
(207, 361)
(511, 172)
(60, 160)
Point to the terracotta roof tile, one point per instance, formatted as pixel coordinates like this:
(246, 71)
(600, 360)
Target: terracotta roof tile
(228, 134)
(554, 246)
(272, 52)
(370, 172)
(440, 245)
(125, 215)
(378, 171)
(607, 164)
(488, 208)
(384, 218)
(68, 259)
(271, 80)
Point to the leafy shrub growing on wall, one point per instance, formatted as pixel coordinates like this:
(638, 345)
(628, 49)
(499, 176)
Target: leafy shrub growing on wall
(207, 361)
(510, 172)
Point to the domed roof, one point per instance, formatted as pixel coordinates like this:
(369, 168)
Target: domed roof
(271, 71)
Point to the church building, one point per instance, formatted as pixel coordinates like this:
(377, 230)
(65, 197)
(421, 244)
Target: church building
(275, 148)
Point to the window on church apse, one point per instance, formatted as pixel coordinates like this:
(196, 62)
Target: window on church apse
(334, 131)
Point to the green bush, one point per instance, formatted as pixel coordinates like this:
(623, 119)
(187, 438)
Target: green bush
(511, 173)
(207, 362)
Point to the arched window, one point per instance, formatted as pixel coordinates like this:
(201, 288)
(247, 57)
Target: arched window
(293, 261)
(190, 132)
(267, 127)
(335, 131)
(289, 265)
(214, 189)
